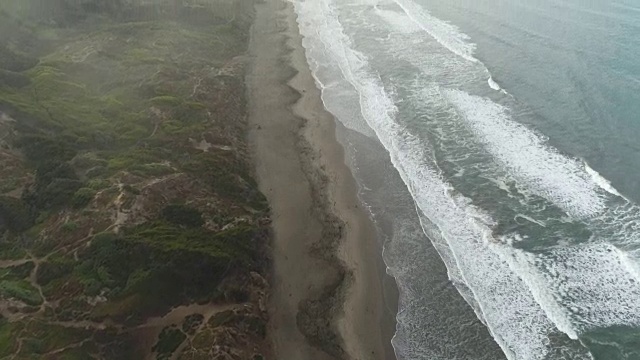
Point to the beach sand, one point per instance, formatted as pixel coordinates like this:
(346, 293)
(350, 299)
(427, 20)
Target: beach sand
(327, 298)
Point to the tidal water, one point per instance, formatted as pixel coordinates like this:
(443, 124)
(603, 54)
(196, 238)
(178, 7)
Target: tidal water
(496, 145)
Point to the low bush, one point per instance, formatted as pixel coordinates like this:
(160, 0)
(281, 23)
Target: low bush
(14, 214)
(43, 150)
(168, 341)
(183, 215)
(82, 197)
(20, 290)
(14, 61)
(13, 79)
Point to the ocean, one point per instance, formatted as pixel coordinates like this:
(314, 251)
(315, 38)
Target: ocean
(495, 144)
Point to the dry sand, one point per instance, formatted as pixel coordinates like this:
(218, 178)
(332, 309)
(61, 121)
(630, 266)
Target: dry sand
(327, 297)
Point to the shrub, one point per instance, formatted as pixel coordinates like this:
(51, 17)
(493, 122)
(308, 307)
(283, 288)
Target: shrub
(55, 185)
(69, 226)
(7, 341)
(13, 79)
(14, 61)
(48, 172)
(191, 323)
(45, 150)
(168, 101)
(98, 184)
(151, 169)
(14, 214)
(82, 197)
(168, 341)
(17, 272)
(33, 346)
(20, 290)
(58, 192)
(130, 159)
(53, 269)
(95, 172)
(130, 189)
(183, 215)
(87, 161)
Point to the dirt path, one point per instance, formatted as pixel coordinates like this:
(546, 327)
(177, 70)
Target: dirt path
(12, 263)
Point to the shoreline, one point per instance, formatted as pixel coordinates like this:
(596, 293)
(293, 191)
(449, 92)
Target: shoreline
(328, 278)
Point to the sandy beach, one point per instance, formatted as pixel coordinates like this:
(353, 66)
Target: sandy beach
(327, 297)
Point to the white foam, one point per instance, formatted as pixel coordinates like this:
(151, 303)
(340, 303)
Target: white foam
(601, 181)
(503, 300)
(446, 34)
(406, 42)
(523, 263)
(529, 218)
(546, 172)
(580, 287)
(630, 264)
(494, 85)
(520, 328)
(626, 6)
(398, 21)
(521, 297)
(592, 283)
(580, 182)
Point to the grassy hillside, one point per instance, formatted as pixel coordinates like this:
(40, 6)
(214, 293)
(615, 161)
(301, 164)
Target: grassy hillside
(129, 216)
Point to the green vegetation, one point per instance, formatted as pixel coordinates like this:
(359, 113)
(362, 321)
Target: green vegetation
(13, 214)
(13, 60)
(17, 272)
(55, 186)
(82, 197)
(168, 101)
(20, 290)
(98, 184)
(13, 79)
(108, 99)
(42, 150)
(7, 333)
(42, 338)
(168, 342)
(191, 323)
(221, 318)
(161, 262)
(57, 267)
(183, 215)
(69, 226)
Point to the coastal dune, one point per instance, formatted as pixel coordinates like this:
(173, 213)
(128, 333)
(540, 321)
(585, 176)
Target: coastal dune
(327, 298)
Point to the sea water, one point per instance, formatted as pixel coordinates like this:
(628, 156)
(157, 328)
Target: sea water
(496, 147)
